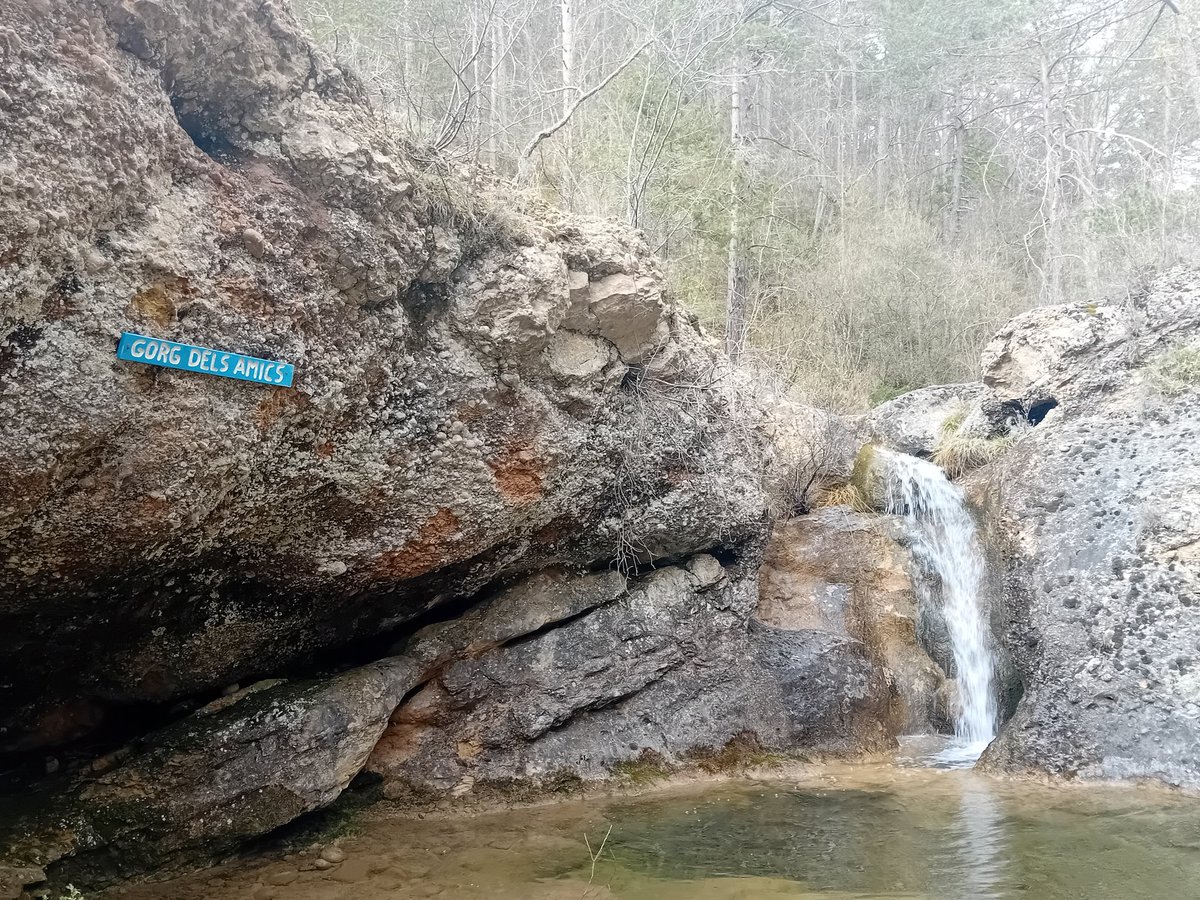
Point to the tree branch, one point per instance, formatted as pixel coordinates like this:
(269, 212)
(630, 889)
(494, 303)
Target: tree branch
(561, 123)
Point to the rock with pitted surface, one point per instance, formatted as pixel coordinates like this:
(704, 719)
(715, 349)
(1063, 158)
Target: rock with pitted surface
(483, 388)
(1095, 514)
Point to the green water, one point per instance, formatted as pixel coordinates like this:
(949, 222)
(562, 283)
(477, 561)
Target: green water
(870, 832)
(893, 842)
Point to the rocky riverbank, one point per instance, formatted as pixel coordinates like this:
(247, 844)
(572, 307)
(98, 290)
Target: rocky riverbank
(517, 524)
(506, 523)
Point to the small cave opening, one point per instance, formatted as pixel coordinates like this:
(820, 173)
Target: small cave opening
(207, 139)
(1039, 410)
(1018, 413)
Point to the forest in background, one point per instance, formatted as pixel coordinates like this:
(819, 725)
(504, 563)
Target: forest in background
(854, 193)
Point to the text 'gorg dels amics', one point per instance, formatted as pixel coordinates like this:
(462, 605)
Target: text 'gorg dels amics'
(173, 355)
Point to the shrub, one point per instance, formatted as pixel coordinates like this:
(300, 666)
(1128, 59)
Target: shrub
(1177, 371)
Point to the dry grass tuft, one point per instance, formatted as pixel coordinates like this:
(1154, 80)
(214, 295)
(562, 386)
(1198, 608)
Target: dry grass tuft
(1177, 371)
(844, 495)
(959, 454)
(953, 422)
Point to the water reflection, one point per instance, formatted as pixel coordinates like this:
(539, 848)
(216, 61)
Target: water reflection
(869, 843)
(981, 844)
(848, 833)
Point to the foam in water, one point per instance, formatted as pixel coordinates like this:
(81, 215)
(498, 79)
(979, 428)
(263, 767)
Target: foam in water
(946, 543)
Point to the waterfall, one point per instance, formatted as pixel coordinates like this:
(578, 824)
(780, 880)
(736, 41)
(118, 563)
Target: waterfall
(947, 544)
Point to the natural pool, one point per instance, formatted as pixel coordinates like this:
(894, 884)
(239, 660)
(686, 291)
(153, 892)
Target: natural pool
(843, 832)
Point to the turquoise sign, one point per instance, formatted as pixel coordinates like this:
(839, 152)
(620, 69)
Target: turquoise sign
(157, 352)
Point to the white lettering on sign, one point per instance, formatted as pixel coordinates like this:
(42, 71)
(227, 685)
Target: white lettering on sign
(173, 355)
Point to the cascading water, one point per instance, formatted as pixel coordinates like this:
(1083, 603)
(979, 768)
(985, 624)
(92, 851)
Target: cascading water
(946, 542)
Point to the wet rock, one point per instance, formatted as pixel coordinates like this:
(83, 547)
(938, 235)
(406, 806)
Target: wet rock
(355, 870)
(333, 855)
(215, 779)
(848, 574)
(671, 663)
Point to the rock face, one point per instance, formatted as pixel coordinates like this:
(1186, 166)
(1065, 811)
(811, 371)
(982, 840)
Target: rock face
(481, 391)
(234, 770)
(848, 574)
(573, 676)
(1096, 513)
(1080, 350)
(669, 665)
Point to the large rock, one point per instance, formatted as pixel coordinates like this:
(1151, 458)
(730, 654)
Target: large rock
(565, 675)
(849, 574)
(1060, 353)
(1097, 515)
(667, 666)
(481, 390)
(914, 422)
(234, 770)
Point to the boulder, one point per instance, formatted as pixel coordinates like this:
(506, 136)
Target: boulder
(913, 423)
(1061, 353)
(1095, 516)
(482, 387)
(229, 772)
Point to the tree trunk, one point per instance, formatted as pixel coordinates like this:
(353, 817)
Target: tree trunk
(737, 275)
(569, 91)
(1187, 45)
(495, 74)
(1051, 292)
(881, 158)
(958, 140)
(568, 54)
